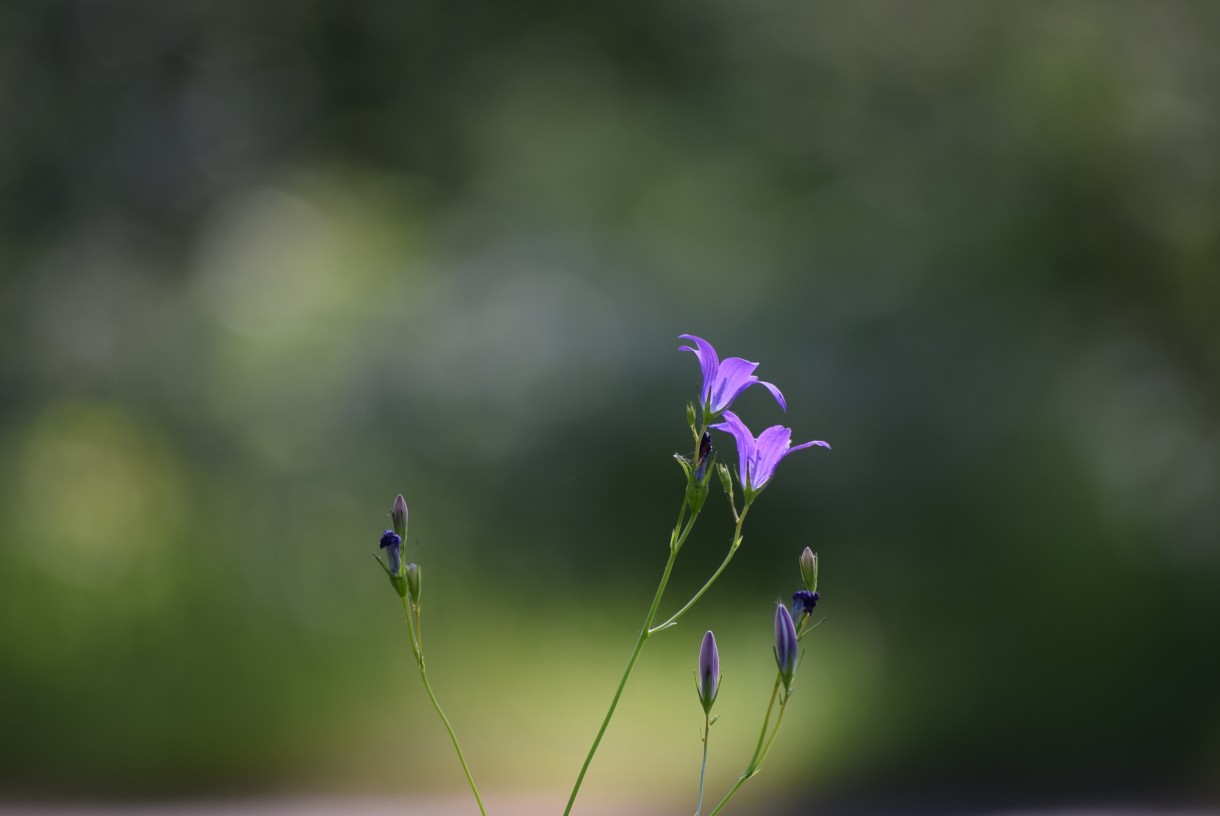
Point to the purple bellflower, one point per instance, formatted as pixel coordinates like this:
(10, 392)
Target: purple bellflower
(708, 679)
(758, 458)
(724, 380)
(786, 644)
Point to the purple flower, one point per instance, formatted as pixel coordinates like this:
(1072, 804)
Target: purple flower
(785, 644)
(758, 458)
(708, 680)
(724, 380)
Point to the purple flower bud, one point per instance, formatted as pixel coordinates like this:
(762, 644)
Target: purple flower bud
(705, 454)
(786, 645)
(708, 680)
(391, 542)
(398, 516)
(809, 569)
(803, 602)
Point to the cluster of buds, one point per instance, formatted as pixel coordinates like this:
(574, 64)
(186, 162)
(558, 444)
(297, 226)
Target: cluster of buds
(787, 639)
(804, 600)
(404, 577)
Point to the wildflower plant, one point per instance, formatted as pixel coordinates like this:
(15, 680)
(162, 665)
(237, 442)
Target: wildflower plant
(758, 458)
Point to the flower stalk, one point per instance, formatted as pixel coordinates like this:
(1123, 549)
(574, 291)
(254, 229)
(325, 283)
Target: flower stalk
(411, 613)
(781, 691)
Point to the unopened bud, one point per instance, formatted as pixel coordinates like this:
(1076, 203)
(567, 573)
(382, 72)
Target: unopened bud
(707, 679)
(786, 645)
(391, 542)
(803, 602)
(703, 458)
(726, 480)
(398, 516)
(413, 579)
(809, 569)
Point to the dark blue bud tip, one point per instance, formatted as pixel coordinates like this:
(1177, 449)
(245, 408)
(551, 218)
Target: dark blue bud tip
(803, 601)
(390, 539)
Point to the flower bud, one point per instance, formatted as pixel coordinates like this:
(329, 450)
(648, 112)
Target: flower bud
(703, 458)
(786, 645)
(413, 579)
(398, 516)
(809, 569)
(391, 542)
(726, 480)
(707, 680)
(803, 602)
(696, 485)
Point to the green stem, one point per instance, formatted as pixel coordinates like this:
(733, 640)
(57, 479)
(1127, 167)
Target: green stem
(760, 750)
(673, 619)
(676, 540)
(416, 649)
(707, 727)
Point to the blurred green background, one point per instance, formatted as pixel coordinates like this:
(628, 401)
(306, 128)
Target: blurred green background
(266, 265)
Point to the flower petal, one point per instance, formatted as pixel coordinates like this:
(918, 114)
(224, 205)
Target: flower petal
(775, 392)
(734, 376)
(771, 447)
(817, 442)
(708, 361)
(745, 443)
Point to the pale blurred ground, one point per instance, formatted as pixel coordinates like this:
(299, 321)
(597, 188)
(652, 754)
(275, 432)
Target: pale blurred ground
(427, 806)
(508, 806)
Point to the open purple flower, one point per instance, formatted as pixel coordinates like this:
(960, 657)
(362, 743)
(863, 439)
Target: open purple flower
(758, 458)
(724, 380)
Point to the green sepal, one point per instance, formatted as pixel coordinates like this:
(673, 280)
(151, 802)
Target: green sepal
(726, 480)
(396, 581)
(685, 464)
(707, 704)
(696, 495)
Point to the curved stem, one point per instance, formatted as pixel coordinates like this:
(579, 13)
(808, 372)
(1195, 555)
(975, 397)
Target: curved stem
(417, 650)
(673, 619)
(761, 749)
(676, 540)
(707, 727)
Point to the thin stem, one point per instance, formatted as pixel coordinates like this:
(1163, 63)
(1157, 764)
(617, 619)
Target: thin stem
(416, 649)
(673, 619)
(707, 727)
(760, 750)
(676, 540)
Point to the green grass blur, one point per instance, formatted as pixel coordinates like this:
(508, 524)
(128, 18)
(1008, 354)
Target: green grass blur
(265, 267)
